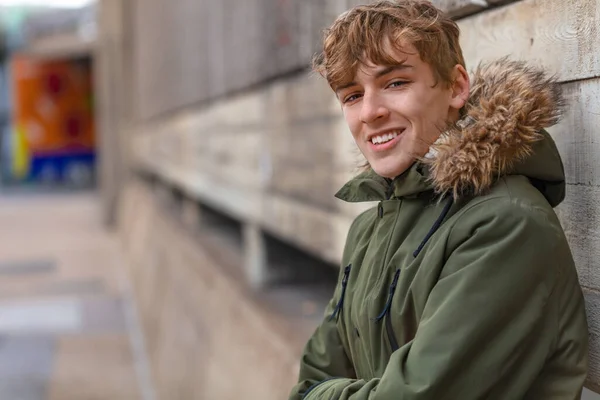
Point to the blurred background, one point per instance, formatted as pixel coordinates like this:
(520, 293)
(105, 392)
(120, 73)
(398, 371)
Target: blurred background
(167, 171)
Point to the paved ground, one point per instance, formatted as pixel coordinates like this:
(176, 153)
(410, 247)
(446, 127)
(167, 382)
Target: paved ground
(65, 319)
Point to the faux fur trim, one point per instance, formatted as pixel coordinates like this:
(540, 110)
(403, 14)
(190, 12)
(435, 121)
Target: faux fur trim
(509, 104)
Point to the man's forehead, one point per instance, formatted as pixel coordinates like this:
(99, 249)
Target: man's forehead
(398, 58)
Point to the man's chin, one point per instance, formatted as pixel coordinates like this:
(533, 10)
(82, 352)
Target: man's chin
(388, 171)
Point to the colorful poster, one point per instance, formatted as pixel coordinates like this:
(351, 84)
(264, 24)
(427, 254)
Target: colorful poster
(53, 138)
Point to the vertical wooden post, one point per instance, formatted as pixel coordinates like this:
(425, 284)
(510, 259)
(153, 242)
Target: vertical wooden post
(113, 87)
(255, 255)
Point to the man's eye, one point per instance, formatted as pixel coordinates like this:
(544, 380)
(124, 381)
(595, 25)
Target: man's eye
(351, 98)
(397, 84)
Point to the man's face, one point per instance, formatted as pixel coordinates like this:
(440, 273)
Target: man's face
(396, 112)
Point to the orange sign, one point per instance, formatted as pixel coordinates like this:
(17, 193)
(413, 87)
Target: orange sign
(52, 109)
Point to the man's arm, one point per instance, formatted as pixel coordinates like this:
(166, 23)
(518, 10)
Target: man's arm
(324, 357)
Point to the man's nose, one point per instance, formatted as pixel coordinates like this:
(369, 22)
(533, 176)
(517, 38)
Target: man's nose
(373, 109)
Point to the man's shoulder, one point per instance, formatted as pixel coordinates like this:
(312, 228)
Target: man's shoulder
(512, 195)
(512, 201)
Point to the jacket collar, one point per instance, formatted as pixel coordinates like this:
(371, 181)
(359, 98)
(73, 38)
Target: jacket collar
(368, 186)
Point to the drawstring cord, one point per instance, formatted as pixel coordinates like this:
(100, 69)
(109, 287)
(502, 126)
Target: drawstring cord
(388, 304)
(433, 229)
(435, 226)
(338, 308)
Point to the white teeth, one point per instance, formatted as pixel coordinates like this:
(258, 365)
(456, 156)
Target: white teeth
(384, 138)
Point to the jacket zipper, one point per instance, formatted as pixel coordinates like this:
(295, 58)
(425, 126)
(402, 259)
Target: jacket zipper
(389, 192)
(386, 313)
(391, 334)
(340, 305)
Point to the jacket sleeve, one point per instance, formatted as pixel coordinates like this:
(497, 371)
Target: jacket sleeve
(487, 322)
(324, 357)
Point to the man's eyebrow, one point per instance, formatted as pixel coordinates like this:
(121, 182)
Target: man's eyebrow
(345, 86)
(378, 74)
(390, 69)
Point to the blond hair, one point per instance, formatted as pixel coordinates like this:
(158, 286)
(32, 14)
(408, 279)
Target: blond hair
(365, 32)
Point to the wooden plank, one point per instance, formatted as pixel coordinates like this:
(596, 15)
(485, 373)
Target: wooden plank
(592, 307)
(577, 135)
(580, 218)
(560, 35)
(460, 8)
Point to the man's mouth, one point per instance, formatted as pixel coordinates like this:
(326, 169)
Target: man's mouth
(386, 137)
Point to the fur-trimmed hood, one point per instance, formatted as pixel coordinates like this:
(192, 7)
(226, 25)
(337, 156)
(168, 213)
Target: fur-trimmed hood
(501, 132)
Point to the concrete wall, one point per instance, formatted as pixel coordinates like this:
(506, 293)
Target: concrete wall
(279, 156)
(217, 47)
(113, 81)
(206, 335)
(272, 154)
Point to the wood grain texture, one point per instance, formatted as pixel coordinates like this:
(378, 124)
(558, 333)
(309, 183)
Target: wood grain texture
(562, 36)
(592, 306)
(577, 140)
(580, 217)
(577, 135)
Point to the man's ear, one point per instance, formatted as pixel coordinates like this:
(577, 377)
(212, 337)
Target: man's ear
(461, 85)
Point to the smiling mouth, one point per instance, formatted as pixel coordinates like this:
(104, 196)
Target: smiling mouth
(386, 137)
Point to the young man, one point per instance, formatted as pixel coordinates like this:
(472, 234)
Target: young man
(460, 284)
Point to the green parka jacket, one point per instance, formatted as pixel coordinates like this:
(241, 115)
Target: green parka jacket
(460, 284)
